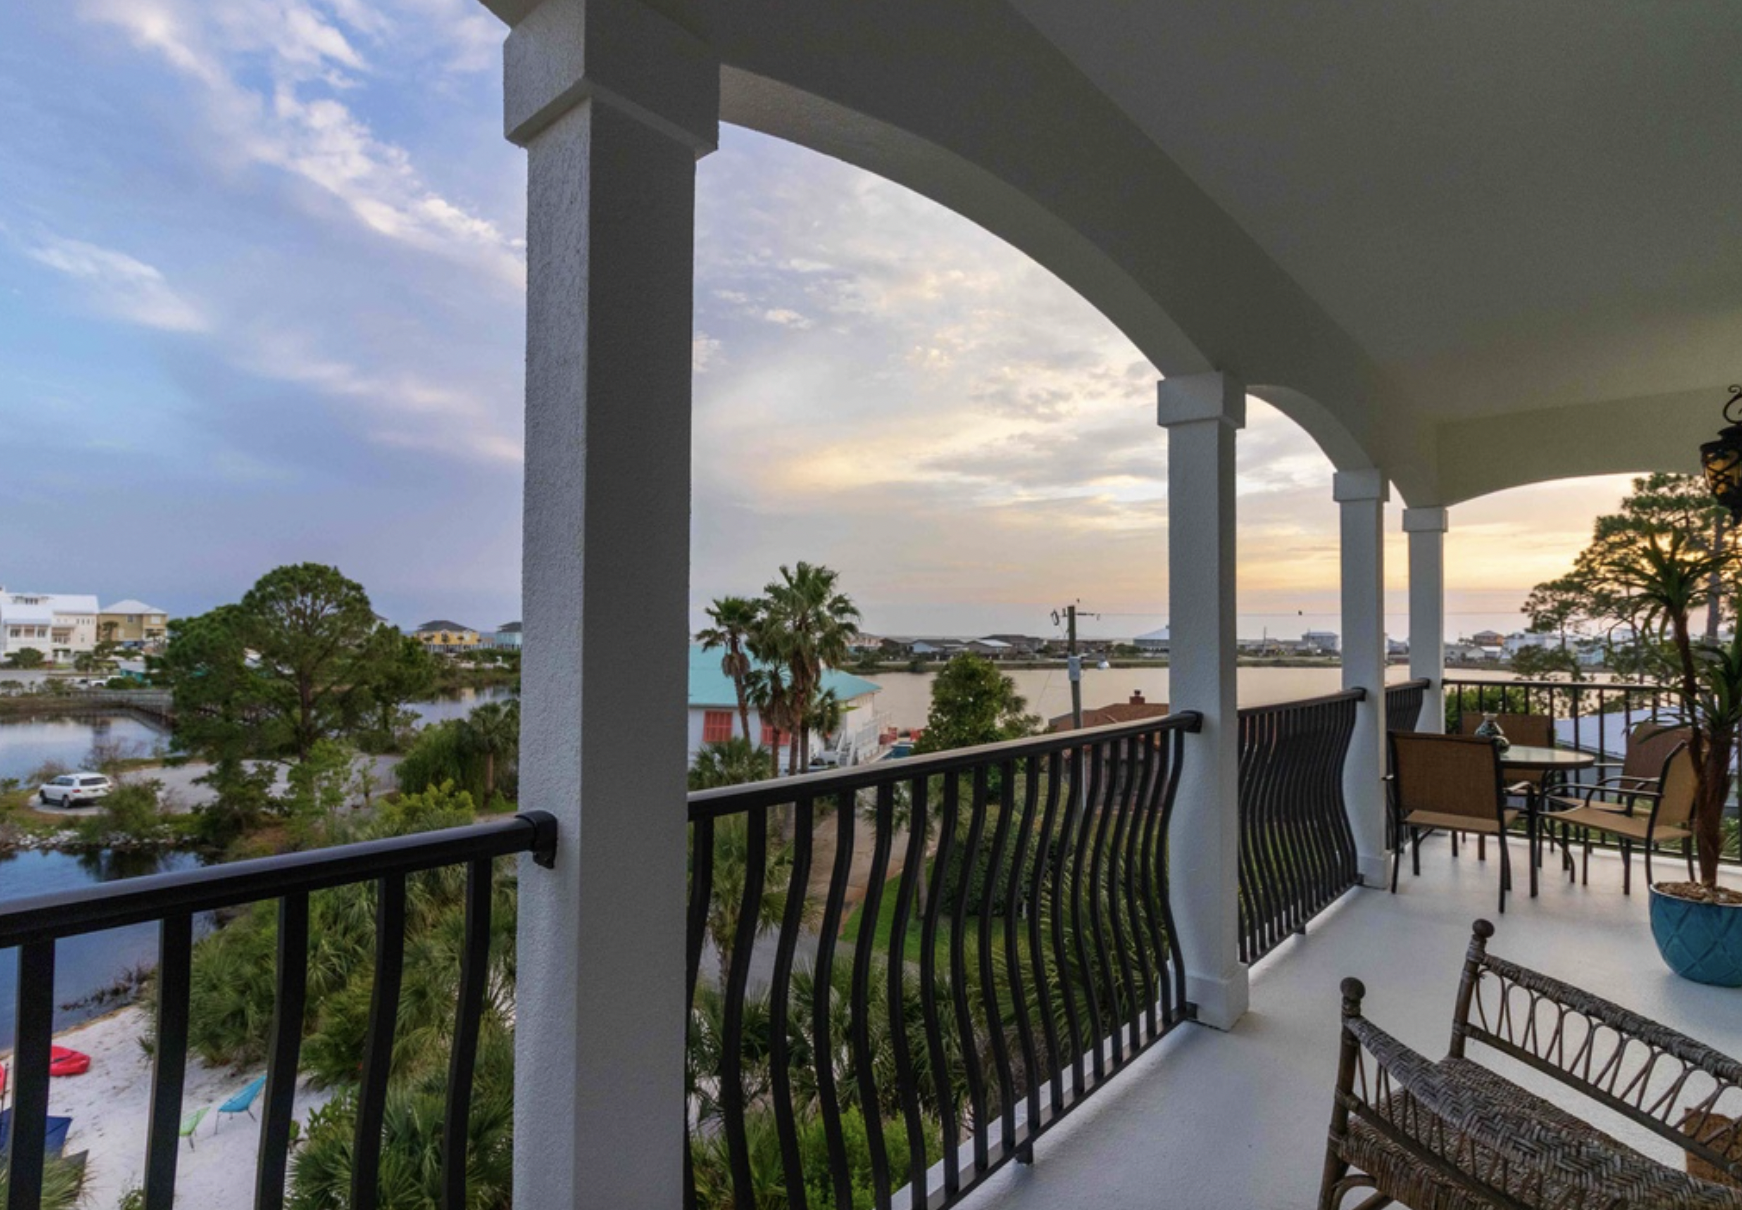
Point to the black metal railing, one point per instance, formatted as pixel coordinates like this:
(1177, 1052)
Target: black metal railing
(965, 1004)
(1403, 704)
(1589, 708)
(1297, 853)
(1592, 716)
(173, 901)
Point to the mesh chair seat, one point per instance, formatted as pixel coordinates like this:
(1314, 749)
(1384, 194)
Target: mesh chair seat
(1463, 823)
(1634, 827)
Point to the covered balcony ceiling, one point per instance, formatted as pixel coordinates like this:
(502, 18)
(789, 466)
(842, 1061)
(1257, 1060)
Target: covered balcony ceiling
(1404, 226)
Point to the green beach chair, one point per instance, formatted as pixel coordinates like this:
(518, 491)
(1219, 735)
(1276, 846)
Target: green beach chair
(192, 1122)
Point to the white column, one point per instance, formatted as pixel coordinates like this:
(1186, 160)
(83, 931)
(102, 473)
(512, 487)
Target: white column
(1426, 528)
(1201, 413)
(613, 104)
(1361, 495)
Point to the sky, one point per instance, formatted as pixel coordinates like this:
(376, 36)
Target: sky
(261, 301)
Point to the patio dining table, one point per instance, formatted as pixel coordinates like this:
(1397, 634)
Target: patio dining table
(1528, 758)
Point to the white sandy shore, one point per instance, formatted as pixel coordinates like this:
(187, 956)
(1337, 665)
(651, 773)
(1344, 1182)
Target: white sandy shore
(110, 1107)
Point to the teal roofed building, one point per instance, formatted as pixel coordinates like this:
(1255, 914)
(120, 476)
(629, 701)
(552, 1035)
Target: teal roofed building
(713, 702)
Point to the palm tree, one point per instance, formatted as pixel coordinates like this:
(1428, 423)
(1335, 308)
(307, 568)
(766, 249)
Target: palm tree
(730, 762)
(731, 871)
(827, 715)
(735, 620)
(494, 730)
(770, 691)
(815, 623)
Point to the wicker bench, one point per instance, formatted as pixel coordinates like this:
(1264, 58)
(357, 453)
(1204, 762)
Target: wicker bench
(1454, 1134)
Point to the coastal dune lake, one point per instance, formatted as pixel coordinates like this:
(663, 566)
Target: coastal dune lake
(84, 964)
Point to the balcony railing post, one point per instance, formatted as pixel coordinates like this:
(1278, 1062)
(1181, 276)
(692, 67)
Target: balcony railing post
(1360, 495)
(613, 104)
(1202, 413)
(1426, 528)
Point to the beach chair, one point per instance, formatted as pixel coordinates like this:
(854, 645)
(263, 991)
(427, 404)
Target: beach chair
(192, 1122)
(242, 1102)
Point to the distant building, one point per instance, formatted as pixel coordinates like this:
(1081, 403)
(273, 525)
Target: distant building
(1396, 646)
(504, 637)
(992, 649)
(1488, 638)
(1134, 709)
(1323, 640)
(1156, 642)
(935, 649)
(713, 701)
(1518, 640)
(60, 625)
(1022, 646)
(132, 624)
(446, 636)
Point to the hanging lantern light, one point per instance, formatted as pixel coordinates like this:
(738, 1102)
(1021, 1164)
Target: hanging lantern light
(1722, 459)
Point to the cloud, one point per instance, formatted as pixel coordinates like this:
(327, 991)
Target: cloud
(704, 349)
(405, 410)
(296, 121)
(120, 285)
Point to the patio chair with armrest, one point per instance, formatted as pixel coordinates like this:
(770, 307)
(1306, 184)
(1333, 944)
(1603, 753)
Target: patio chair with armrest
(1531, 730)
(1450, 783)
(1644, 817)
(1649, 744)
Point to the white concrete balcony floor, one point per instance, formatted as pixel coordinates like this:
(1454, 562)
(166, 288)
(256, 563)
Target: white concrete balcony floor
(1238, 1119)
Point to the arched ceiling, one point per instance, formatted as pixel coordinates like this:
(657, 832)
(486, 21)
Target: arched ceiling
(1476, 245)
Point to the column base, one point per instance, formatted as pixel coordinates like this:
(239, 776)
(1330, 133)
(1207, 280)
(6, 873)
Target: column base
(1220, 1001)
(1374, 869)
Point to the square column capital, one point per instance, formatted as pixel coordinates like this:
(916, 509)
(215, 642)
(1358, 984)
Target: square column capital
(1186, 398)
(1369, 483)
(619, 53)
(1424, 521)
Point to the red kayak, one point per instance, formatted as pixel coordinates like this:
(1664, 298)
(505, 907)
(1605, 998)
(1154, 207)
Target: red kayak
(64, 1062)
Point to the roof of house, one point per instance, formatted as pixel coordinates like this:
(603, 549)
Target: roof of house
(998, 643)
(42, 606)
(1131, 711)
(508, 628)
(438, 624)
(711, 687)
(131, 606)
(1153, 636)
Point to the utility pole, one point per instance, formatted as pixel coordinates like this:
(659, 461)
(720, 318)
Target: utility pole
(1074, 662)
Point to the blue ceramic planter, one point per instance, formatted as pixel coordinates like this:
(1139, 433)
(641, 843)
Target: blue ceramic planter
(1700, 941)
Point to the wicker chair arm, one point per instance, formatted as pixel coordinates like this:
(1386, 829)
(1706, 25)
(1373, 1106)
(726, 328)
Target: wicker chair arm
(1463, 1109)
(1623, 1021)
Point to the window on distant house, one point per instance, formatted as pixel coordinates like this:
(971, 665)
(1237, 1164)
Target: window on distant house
(773, 739)
(716, 726)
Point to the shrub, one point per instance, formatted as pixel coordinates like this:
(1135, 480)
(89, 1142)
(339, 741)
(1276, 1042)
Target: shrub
(130, 812)
(440, 754)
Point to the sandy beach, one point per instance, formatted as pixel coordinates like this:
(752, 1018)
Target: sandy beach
(110, 1104)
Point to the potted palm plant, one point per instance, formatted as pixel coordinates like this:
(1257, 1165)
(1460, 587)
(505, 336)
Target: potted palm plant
(1656, 577)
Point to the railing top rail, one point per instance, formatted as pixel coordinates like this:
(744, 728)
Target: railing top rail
(1566, 686)
(729, 800)
(1357, 694)
(156, 896)
(1420, 682)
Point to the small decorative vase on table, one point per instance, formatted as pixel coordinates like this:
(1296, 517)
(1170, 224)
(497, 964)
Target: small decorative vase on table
(1490, 729)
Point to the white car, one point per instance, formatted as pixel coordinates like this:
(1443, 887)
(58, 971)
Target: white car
(71, 789)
